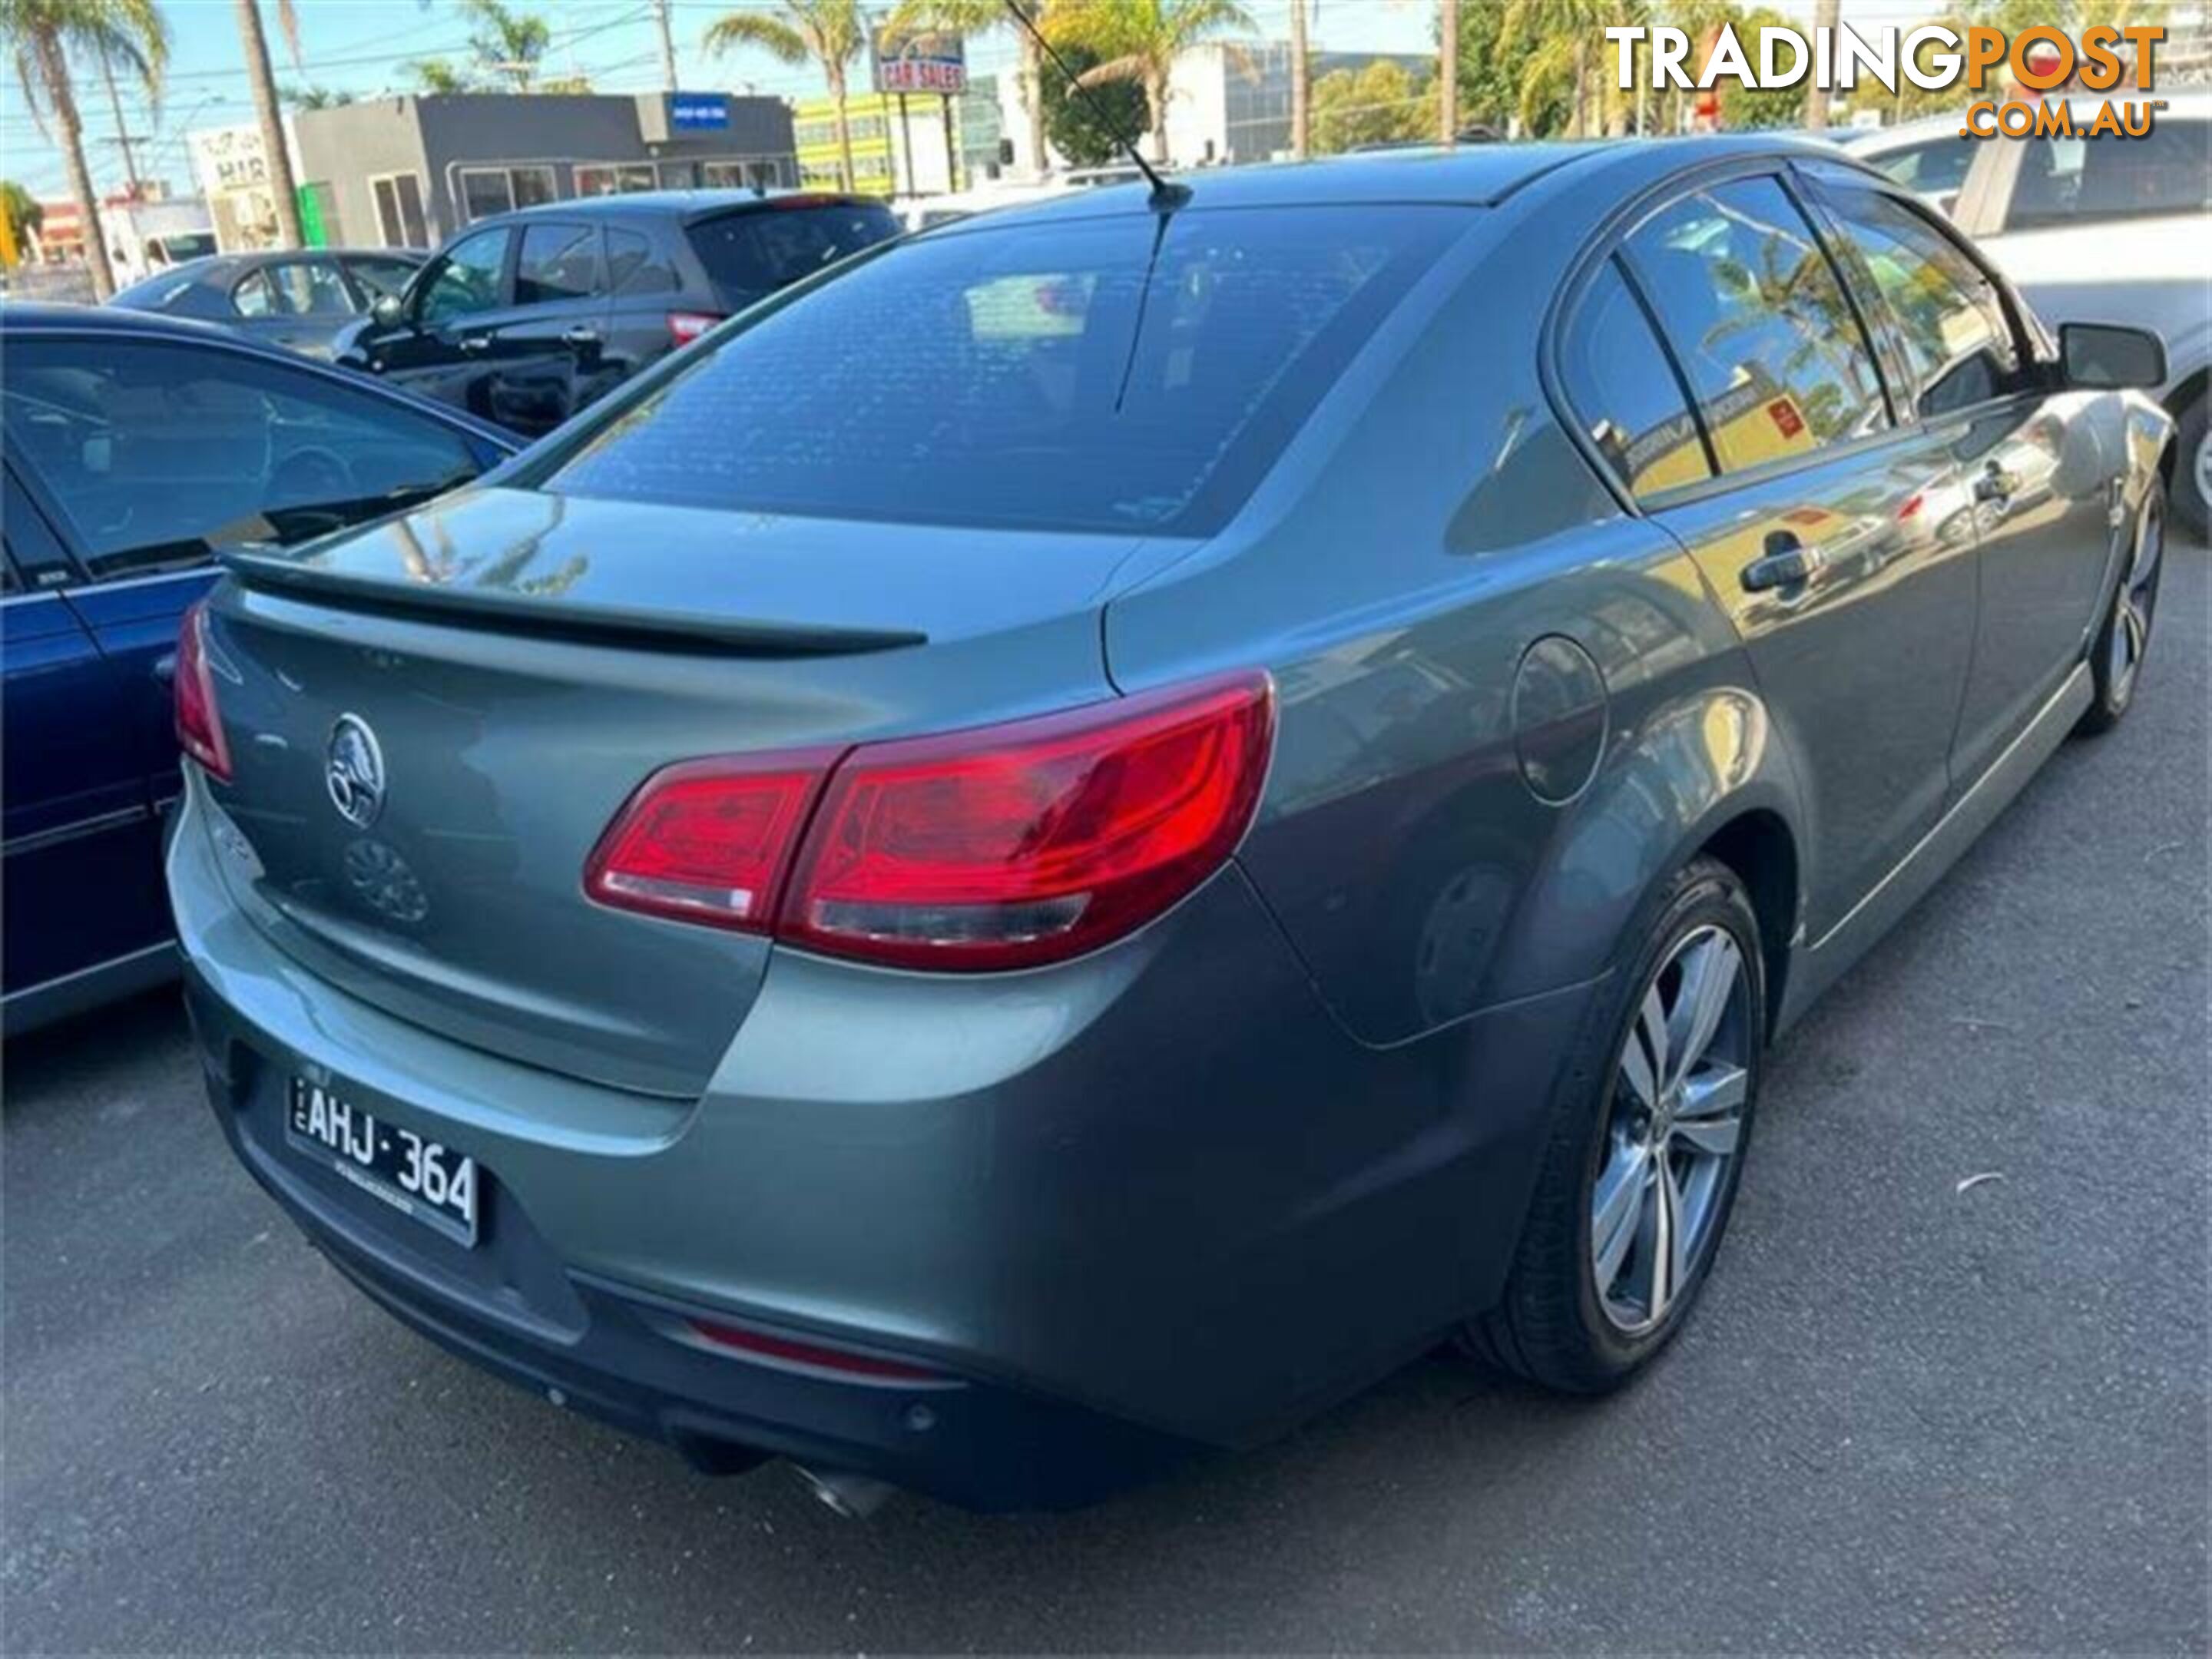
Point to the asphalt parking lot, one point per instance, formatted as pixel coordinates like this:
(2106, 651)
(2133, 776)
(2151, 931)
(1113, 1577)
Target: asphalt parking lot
(1907, 1415)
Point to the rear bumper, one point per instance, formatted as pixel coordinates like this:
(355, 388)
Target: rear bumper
(1149, 1201)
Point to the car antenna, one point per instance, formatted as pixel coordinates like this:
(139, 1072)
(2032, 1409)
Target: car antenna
(1167, 196)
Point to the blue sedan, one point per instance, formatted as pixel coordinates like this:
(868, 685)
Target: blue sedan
(136, 445)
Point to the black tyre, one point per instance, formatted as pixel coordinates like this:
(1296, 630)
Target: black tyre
(1646, 1148)
(2192, 468)
(2116, 655)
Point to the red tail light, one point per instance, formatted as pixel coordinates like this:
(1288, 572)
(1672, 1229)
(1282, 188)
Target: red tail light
(685, 326)
(1002, 847)
(199, 721)
(709, 841)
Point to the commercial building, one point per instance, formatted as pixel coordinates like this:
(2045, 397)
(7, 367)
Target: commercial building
(918, 143)
(409, 171)
(900, 145)
(1231, 104)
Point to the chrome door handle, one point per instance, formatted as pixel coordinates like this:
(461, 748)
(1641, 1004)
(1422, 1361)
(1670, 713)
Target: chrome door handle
(474, 342)
(1787, 562)
(582, 335)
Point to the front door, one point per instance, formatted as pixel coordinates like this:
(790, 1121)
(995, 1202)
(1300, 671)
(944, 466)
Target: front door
(441, 348)
(2042, 470)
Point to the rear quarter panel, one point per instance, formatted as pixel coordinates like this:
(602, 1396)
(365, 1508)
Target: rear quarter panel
(1429, 525)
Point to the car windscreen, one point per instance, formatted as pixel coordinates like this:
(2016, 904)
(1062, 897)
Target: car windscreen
(1125, 373)
(761, 249)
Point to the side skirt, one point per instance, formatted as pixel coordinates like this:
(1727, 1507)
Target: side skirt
(1819, 965)
(72, 993)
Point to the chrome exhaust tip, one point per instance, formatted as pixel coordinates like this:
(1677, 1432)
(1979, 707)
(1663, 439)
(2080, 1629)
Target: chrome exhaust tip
(855, 1496)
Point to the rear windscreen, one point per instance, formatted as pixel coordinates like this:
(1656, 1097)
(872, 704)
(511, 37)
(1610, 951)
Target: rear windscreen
(759, 250)
(1113, 374)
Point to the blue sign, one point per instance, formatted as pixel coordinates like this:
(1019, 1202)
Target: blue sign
(698, 112)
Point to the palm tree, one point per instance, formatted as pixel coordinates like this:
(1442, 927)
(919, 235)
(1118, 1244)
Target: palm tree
(972, 17)
(828, 32)
(1140, 40)
(1557, 43)
(44, 33)
(1302, 83)
(509, 43)
(312, 97)
(1816, 101)
(434, 76)
(1448, 68)
(282, 195)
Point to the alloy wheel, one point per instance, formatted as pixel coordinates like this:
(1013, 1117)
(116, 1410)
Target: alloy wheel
(1675, 1129)
(2130, 634)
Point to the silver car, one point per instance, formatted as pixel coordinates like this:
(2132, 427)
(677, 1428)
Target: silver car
(298, 300)
(2119, 230)
(1074, 838)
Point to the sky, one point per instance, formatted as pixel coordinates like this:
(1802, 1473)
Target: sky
(361, 46)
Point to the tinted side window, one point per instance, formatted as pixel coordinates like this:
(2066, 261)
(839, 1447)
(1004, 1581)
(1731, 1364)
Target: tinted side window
(380, 276)
(635, 266)
(1750, 304)
(466, 278)
(558, 261)
(158, 452)
(316, 289)
(2066, 180)
(1931, 168)
(1624, 392)
(1950, 319)
(301, 288)
(760, 250)
(256, 295)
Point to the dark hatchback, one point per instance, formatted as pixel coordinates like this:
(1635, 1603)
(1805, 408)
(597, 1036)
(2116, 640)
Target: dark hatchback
(527, 317)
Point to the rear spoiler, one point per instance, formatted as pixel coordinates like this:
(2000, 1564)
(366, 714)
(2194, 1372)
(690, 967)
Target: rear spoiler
(662, 630)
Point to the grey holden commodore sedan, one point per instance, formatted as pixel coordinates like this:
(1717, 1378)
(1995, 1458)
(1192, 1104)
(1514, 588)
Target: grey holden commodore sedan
(1068, 842)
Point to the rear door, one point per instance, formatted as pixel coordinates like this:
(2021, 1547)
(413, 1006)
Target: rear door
(81, 873)
(2042, 467)
(544, 361)
(1837, 540)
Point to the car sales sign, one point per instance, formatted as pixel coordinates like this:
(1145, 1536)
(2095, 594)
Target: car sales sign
(920, 61)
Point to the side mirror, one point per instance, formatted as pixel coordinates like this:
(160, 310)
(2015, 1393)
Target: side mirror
(2106, 357)
(388, 311)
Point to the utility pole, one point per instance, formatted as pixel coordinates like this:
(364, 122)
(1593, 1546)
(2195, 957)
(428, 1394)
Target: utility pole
(1448, 68)
(1301, 84)
(667, 46)
(278, 158)
(122, 132)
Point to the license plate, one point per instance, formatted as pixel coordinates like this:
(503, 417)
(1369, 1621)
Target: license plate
(420, 1178)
